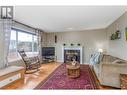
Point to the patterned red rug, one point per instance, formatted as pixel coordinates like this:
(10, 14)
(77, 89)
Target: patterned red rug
(59, 79)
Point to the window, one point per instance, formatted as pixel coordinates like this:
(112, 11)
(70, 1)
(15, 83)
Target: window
(22, 40)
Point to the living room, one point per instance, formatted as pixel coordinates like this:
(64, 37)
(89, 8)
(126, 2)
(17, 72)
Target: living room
(93, 44)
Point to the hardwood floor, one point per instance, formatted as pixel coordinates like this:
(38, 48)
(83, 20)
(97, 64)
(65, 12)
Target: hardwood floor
(32, 80)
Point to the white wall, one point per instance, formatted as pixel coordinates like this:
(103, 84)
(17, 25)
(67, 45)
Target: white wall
(118, 48)
(91, 40)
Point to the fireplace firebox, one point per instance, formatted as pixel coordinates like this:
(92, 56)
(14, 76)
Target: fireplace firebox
(69, 55)
(72, 53)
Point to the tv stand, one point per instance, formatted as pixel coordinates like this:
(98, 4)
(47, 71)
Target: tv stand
(47, 59)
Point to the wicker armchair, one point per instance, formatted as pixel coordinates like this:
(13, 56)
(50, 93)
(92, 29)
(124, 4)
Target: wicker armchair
(32, 64)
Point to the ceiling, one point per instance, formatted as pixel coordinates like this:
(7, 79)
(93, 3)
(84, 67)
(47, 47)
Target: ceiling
(68, 18)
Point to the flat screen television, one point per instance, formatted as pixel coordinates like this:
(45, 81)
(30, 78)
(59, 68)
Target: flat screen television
(48, 51)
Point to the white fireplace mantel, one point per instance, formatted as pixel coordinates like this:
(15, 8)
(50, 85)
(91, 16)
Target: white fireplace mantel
(73, 48)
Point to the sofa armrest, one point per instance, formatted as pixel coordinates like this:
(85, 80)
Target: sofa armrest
(115, 68)
(110, 73)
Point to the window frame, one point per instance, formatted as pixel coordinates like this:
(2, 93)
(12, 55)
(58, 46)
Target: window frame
(23, 31)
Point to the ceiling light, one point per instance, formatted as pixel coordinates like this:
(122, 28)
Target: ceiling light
(69, 28)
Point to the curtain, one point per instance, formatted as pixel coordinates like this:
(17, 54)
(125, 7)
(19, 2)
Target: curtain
(6, 31)
(39, 42)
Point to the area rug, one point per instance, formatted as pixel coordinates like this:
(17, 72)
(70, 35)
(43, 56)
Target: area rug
(59, 79)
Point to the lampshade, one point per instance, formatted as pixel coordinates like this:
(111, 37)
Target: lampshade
(100, 50)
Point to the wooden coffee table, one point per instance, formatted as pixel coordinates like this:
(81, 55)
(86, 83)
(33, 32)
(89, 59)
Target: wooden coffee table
(73, 71)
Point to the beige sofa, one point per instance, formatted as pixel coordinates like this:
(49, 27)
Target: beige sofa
(109, 69)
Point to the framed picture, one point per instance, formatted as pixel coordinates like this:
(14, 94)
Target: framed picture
(126, 33)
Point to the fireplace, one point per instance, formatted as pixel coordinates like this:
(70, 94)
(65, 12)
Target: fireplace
(72, 53)
(69, 55)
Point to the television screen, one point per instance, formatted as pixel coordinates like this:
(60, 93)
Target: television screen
(48, 51)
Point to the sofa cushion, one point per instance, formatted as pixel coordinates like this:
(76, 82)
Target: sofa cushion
(95, 58)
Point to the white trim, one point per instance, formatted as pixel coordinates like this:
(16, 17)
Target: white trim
(10, 80)
(62, 54)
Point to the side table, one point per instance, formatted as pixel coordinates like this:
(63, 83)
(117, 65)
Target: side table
(123, 81)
